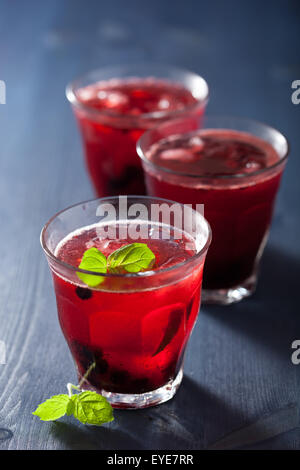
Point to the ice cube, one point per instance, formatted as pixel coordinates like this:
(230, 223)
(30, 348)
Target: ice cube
(196, 143)
(164, 103)
(251, 165)
(115, 99)
(102, 95)
(160, 326)
(86, 94)
(114, 330)
(172, 261)
(195, 140)
(181, 155)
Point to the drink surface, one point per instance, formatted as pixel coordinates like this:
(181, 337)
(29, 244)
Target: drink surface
(168, 252)
(134, 336)
(136, 96)
(213, 153)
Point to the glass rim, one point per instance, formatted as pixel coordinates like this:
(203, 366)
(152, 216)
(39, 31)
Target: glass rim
(138, 275)
(73, 99)
(142, 155)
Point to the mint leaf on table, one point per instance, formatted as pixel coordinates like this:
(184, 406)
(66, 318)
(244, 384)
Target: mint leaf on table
(92, 260)
(54, 408)
(92, 408)
(88, 407)
(132, 258)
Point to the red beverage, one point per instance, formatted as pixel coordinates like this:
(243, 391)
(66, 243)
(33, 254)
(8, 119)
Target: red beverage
(113, 113)
(128, 335)
(236, 175)
(136, 338)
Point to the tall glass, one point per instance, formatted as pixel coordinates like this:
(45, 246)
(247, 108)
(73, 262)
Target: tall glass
(115, 105)
(128, 335)
(238, 201)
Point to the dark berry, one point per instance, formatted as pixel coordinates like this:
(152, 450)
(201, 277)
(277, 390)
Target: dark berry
(98, 353)
(84, 355)
(119, 377)
(83, 293)
(141, 385)
(101, 366)
(131, 175)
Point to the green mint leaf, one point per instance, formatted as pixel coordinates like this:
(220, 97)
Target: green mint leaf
(88, 407)
(54, 408)
(92, 408)
(92, 260)
(131, 258)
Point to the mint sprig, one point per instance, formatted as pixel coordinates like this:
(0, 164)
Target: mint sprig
(88, 407)
(131, 258)
(91, 408)
(92, 260)
(54, 408)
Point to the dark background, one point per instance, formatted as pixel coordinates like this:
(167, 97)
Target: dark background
(238, 368)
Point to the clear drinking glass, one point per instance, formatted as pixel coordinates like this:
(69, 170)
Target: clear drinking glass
(128, 335)
(233, 166)
(115, 105)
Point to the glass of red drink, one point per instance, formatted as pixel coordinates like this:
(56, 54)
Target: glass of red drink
(233, 166)
(128, 335)
(115, 105)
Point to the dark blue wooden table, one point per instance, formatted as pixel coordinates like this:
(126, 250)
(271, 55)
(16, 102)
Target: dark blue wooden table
(238, 369)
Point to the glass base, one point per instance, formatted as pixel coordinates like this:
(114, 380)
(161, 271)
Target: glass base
(144, 400)
(230, 295)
